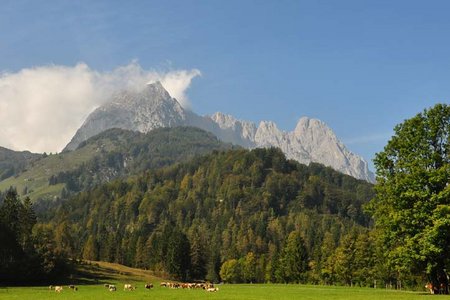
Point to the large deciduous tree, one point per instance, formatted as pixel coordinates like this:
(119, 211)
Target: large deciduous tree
(412, 204)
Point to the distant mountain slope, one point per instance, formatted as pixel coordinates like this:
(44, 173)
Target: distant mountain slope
(14, 162)
(153, 107)
(111, 154)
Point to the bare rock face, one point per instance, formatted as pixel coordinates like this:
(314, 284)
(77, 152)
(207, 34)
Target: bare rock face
(321, 144)
(142, 111)
(311, 141)
(153, 107)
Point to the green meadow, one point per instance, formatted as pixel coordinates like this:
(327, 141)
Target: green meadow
(231, 291)
(91, 277)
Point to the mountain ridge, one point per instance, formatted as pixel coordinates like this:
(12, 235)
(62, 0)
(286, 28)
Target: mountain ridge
(114, 153)
(153, 107)
(13, 162)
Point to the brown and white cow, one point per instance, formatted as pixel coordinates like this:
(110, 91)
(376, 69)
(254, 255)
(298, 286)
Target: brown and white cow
(429, 286)
(148, 286)
(128, 287)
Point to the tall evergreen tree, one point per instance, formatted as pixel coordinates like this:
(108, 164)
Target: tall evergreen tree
(10, 213)
(293, 262)
(90, 250)
(199, 257)
(177, 258)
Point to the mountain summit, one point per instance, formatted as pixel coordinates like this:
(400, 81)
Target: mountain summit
(141, 111)
(153, 107)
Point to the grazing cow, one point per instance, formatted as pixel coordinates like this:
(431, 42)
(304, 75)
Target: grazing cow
(58, 289)
(112, 287)
(212, 289)
(429, 286)
(72, 287)
(50, 287)
(128, 287)
(442, 288)
(148, 286)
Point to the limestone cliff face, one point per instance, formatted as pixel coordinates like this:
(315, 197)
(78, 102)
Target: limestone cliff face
(311, 141)
(153, 107)
(142, 111)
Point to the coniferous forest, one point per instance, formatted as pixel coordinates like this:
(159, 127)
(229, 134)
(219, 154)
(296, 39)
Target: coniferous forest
(28, 251)
(243, 216)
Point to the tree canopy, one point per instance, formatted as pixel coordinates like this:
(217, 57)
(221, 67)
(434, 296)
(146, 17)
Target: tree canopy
(412, 203)
(255, 213)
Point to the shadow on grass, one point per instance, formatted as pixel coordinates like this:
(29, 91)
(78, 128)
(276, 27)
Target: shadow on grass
(91, 273)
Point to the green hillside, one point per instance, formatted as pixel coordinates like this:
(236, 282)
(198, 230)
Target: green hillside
(111, 154)
(225, 211)
(14, 162)
(34, 182)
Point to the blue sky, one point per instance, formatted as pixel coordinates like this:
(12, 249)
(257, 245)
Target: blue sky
(360, 66)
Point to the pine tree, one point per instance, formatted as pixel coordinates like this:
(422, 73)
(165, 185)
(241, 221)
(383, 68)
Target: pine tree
(90, 251)
(249, 267)
(198, 257)
(9, 212)
(293, 262)
(139, 258)
(177, 258)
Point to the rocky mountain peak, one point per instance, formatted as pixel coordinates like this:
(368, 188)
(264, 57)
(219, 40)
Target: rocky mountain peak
(139, 110)
(268, 135)
(224, 120)
(156, 88)
(269, 126)
(314, 133)
(306, 125)
(153, 107)
(244, 129)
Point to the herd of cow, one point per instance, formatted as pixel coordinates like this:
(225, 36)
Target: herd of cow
(209, 287)
(436, 289)
(59, 288)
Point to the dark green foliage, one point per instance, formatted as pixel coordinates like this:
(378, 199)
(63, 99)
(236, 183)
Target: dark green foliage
(177, 256)
(199, 255)
(25, 256)
(412, 206)
(238, 205)
(135, 152)
(293, 261)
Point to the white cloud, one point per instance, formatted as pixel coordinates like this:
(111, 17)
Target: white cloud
(42, 107)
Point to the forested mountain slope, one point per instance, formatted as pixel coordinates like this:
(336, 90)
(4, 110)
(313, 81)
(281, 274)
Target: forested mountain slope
(111, 154)
(187, 220)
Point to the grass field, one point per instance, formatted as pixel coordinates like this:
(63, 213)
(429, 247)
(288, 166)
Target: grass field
(91, 278)
(244, 291)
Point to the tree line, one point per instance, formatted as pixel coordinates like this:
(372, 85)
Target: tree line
(28, 251)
